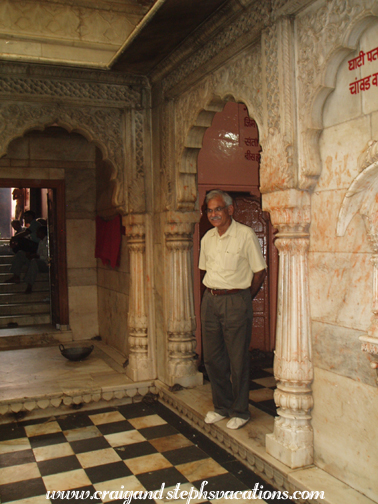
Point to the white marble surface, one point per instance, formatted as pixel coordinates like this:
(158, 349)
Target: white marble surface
(52, 373)
(341, 105)
(81, 239)
(346, 431)
(340, 147)
(325, 207)
(83, 311)
(341, 289)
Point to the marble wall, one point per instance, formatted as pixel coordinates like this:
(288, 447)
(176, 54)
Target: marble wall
(341, 286)
(113, 284)
(56, 154)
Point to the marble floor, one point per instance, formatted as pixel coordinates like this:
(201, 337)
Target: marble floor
(135, 447)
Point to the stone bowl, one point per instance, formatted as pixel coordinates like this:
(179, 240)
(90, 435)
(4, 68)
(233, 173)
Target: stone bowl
(75, 353)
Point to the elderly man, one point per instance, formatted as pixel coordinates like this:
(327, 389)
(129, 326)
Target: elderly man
(235, 270)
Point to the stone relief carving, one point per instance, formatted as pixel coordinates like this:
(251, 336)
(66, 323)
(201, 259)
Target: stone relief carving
(278, 159)
(102, 126)
(252, 20)
(23, 70)
(270, 69)
(126, 96)
(361, 197)
(323, 35)
(137, 185)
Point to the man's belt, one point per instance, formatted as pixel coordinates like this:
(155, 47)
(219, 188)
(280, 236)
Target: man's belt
(223, 292)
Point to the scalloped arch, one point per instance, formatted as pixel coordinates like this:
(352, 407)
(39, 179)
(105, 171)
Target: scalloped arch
(187, 190)
(20, 119)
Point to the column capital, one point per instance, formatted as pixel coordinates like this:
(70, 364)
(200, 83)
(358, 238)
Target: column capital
(290, 210)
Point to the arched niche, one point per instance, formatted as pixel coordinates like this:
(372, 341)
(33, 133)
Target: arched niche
(186, 183)
(323, 46)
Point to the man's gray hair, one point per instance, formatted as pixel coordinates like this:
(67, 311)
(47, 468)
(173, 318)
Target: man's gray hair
(217, 192)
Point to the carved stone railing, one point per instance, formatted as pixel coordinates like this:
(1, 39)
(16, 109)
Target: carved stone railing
(361, 198)
(140, 366)
(292, 439)
(181, 324)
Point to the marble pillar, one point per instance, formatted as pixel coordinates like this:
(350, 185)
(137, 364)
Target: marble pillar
(140, 366)
(181, 324)
(292, 439)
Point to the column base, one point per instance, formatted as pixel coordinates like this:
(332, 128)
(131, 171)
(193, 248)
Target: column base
(293, 456)
(140, 370)
(186, 381)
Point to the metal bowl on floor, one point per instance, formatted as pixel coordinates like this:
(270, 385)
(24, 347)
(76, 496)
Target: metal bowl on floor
(75, 353)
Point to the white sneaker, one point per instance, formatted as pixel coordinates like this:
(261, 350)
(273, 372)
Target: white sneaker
(236, 423)
(213, 416)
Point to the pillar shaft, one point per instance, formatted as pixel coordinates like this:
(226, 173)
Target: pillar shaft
(139, 367)
(292, 439)
(181, 325)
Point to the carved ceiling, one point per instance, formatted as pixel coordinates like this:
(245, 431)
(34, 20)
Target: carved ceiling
(127, 35)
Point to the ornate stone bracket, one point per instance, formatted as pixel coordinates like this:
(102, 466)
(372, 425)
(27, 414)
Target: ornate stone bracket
(292, 439)
(181, 323)
(361, 197)
(140, 366)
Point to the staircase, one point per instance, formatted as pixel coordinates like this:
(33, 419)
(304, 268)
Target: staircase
(18, 309)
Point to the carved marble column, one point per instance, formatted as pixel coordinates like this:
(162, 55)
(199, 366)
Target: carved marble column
(181, 323)
(139, 367)
(292, 439)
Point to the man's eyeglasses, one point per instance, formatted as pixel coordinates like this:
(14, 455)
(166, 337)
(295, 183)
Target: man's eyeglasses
(215, 210)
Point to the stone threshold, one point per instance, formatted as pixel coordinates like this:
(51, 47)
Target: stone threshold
(248, 446)
(33, 336)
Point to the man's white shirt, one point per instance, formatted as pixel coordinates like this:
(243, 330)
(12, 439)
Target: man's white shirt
(232, 259)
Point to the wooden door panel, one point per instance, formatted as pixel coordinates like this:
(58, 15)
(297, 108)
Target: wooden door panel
(248, 211)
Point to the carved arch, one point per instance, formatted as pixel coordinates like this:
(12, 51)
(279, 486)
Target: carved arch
(187, 189)
(317, 81)
(103, 127)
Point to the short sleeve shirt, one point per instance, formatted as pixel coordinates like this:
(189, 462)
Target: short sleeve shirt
(231, 260)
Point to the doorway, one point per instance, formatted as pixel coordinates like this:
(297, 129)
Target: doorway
(229, 160)
(47, 199)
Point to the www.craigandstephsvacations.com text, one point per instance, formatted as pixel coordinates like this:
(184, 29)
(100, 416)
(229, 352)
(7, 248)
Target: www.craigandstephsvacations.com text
(193, 493)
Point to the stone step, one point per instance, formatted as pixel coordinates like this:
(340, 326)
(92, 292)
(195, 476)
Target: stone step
(20, 297)
(6, 259)
(24, 308)
(31, 336)
(24, 320)
(6, 274)
(12, 288)
(4, 268)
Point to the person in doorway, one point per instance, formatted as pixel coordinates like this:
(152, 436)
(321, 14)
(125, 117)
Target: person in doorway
(27, 240)
(235, 270)
(18, 196)
(35, 262)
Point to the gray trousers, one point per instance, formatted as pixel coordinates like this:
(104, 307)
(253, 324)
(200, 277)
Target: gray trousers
(226, 332)
(33, 267)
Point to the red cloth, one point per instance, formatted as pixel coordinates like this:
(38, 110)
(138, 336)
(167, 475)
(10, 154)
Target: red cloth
(108, 240)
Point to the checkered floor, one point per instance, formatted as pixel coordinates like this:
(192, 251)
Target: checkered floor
(262, 384)
(137, 446)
